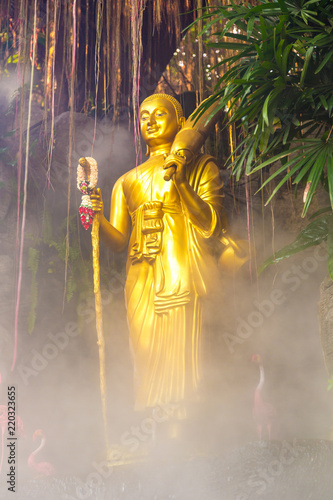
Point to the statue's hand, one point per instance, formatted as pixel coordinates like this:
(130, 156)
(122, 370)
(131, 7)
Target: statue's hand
(175, 168)
(97, 203)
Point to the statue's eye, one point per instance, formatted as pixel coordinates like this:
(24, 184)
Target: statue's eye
(160, 113)
(144, 118)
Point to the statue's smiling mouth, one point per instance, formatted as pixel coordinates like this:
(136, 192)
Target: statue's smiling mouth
(153, 129)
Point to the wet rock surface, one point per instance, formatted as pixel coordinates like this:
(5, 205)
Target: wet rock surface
(298, 470)
(326, 322)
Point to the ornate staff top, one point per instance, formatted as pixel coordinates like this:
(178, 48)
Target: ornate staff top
(87, 176)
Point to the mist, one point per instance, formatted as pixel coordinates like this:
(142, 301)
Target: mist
(57, 378)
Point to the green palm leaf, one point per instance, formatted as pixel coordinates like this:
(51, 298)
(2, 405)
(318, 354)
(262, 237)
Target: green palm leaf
(315, 233)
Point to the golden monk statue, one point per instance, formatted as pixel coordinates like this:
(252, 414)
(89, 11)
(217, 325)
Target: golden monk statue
(168, 227)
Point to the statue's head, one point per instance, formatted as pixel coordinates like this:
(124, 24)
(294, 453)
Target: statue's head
(161, 117)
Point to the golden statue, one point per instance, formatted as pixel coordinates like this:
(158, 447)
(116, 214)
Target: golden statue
(167, 211)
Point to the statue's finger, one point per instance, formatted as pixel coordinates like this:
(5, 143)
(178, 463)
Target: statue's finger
(169, 172)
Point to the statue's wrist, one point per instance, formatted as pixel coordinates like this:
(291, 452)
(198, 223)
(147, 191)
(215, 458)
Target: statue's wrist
(101, 217)
(185, 154)
(180, 182)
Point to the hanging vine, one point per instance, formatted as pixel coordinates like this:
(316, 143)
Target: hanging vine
(25, 191)
(137, 8)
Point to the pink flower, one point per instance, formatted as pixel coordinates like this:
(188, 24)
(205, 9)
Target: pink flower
(85, 210)
(81, 210)
(86, 226)
(83, 218)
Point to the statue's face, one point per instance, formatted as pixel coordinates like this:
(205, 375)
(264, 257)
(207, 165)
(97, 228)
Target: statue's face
(158, 122)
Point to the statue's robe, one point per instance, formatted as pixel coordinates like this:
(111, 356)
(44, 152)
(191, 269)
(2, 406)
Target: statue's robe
(170, 267)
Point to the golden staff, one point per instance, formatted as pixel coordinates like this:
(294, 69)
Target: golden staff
(88, 168)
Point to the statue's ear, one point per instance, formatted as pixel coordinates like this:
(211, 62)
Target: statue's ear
(181, 122)
(147, 151)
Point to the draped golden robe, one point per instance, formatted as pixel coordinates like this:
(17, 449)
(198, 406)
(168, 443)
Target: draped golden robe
(169, 269)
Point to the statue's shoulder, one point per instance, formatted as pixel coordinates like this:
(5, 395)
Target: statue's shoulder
(203, 171)
(203, 159)
(128, 180)
(119, 181)
(204, 162)
(127, 176)
(146, 165)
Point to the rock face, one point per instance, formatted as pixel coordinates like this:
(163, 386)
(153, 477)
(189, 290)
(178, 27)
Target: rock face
(7, 261)
(326, 322)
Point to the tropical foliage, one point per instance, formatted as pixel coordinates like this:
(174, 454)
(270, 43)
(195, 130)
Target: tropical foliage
(278, 89)
(320, 229)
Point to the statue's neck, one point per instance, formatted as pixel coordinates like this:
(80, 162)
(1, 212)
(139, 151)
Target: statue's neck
(160, 150)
